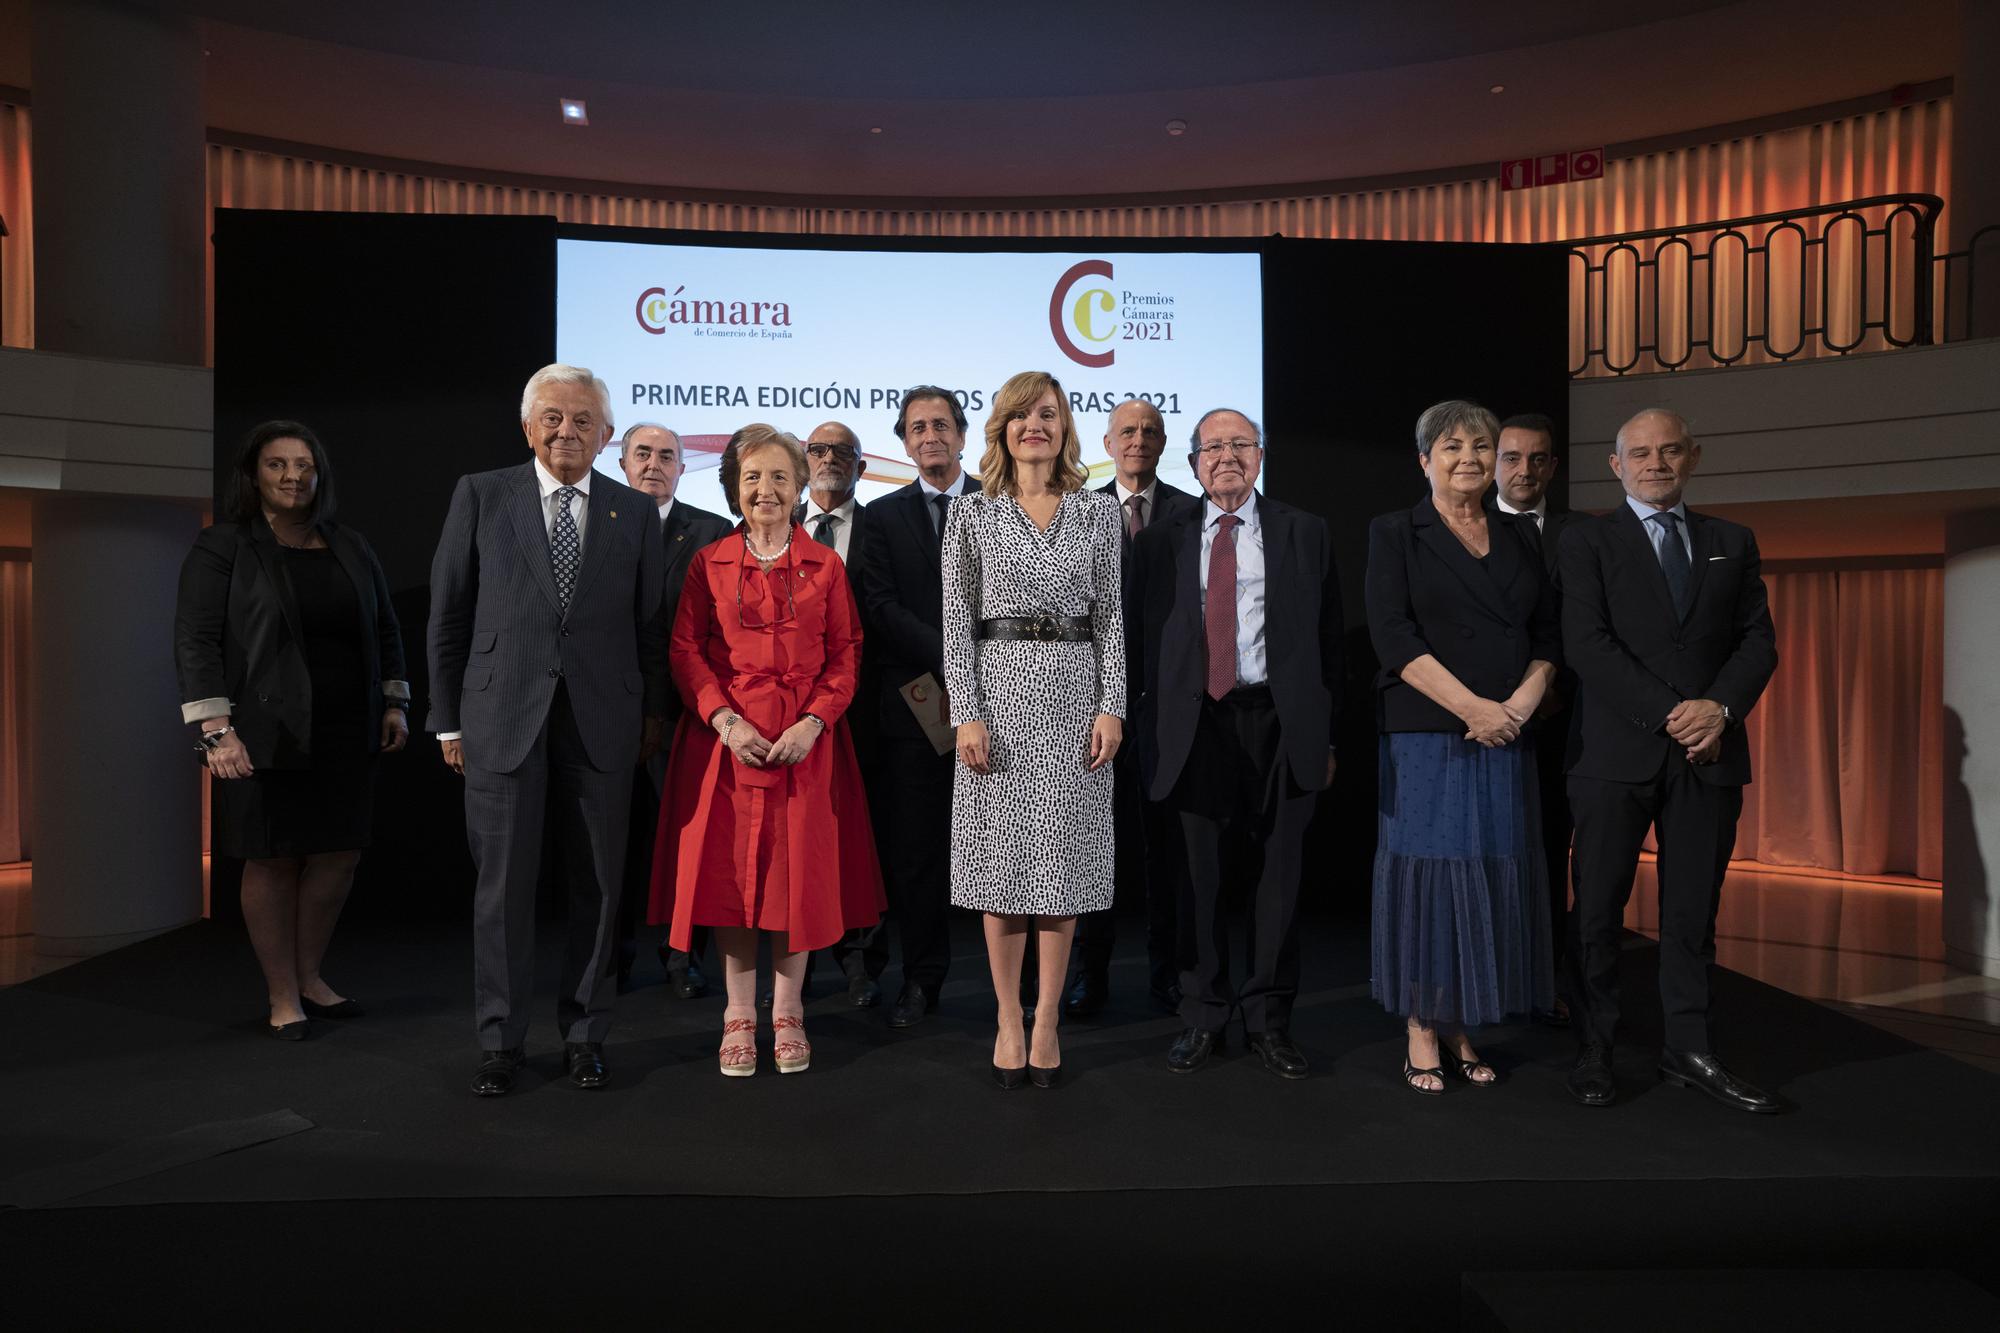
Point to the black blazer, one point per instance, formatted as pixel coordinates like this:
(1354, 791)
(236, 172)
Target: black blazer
(857, 532)
(1169, 502)
(686, 530)
(1168, 660)
(1483, 622)
(237, 641)
(902, 600)
(1635, 659)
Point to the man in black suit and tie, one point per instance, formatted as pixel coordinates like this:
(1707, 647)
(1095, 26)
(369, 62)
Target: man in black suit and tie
(1526, 469)
(902, 602)
(652, 460)
(1238, 643)
(548, 684)
(1150, 865)
(832, 516)
(1667, 626)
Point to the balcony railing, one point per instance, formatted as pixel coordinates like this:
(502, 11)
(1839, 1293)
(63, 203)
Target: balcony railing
(1808, 282)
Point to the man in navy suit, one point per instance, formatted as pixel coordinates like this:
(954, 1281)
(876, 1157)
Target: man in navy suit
(651, 457)
(902, 605)
(548, 684)
(1668, 628)
(1150, 866)
(1235, 618)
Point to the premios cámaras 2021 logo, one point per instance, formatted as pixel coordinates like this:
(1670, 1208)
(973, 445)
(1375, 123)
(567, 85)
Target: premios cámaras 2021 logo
(1090, 318)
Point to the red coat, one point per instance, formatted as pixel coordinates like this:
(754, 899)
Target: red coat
(780, 848)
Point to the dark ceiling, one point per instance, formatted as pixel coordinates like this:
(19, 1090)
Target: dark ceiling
(1031, 98)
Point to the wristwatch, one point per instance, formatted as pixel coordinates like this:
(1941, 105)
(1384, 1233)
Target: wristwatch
(1726, 718)
(211, 741)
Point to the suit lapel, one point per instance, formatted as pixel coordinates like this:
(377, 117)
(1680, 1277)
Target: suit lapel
(1702, 542)
(349, 556)
(1639, 547)
(525, 511)
(596, 534)
(1433, 533)
(266, 546)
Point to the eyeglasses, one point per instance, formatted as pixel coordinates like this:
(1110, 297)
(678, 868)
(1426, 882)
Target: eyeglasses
(1237, 448)
(840, 451)
(791, 597)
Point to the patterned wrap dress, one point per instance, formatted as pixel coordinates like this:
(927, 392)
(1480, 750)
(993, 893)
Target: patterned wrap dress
(1034, 835)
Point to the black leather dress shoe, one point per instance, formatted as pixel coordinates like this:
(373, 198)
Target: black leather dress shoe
(496, 1072)
(1590, 1081)
(1191, 1050)
(344, 1009)
(1282, 1058)
(1086, 995)
(863, 992)
(687, 983)
(911, 1006)
(586, 1063)
(1705, 1073)
(1168, 999)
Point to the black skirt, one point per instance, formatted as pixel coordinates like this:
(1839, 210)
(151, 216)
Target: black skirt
(329, 807)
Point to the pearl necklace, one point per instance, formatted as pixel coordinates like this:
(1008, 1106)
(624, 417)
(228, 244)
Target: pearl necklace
(774, 557)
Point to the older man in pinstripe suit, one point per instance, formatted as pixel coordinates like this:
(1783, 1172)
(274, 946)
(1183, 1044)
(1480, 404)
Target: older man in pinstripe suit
(548, 684)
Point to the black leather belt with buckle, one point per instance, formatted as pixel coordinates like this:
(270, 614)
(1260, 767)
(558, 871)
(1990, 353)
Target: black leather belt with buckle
(1038, 629)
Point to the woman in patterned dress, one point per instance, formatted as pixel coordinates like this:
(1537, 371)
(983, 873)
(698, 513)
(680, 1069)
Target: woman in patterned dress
(1034, 663)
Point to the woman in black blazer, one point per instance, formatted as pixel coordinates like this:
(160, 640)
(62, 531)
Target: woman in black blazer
(1465, 625)
(291, 664)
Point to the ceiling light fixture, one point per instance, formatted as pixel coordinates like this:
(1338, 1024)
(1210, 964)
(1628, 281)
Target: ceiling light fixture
(1497, 88)
(573, 112)
(874, 129)
(1177, 128)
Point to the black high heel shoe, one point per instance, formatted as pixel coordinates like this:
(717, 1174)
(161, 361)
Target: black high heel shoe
(344, 1009)
(1044, 1078)
(1464, 1068)
(290, 1031)
(1010, 1079)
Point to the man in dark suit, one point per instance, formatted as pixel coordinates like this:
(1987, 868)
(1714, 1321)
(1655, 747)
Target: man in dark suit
(1237, 639)
(651, 458)
(1667, 626)
(1150, 865)
(902, 602)
(1526, 469)
(832, 516)
(548, 684)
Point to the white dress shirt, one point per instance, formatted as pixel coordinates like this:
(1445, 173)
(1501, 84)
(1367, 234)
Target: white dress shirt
(1656, 533)
(1148, 498)
(579, 508)
(666, 509)
(1250, 668)
(1538, 513)
(843, 523)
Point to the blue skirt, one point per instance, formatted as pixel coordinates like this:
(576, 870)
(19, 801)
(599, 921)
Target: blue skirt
(1460, 927)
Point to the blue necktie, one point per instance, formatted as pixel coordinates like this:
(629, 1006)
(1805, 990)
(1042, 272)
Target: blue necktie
(565, 549)
(1674, 559)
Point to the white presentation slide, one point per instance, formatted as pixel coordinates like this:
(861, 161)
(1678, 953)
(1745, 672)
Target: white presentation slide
(707, 339)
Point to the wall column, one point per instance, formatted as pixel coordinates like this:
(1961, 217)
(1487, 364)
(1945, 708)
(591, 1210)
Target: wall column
(1974, 200)
(1972, 741)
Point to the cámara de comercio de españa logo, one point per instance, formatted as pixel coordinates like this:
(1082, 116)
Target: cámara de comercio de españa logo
(1086, 318)
(658, 310)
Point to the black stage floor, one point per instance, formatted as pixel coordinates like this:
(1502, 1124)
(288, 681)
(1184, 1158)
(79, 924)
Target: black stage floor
(143, 1113)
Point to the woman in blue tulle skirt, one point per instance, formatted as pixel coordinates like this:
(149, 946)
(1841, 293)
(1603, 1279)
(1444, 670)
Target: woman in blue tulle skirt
(1464, 621)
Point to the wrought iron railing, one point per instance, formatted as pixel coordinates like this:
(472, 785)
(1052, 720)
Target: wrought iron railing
(1964, 308)
(1806, 282)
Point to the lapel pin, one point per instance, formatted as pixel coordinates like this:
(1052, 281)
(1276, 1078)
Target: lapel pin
(614, 513)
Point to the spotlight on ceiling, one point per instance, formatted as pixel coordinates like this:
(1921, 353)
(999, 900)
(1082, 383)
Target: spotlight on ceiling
(573, 112)
(874, 129)
(1177, 128)
(1497, 88)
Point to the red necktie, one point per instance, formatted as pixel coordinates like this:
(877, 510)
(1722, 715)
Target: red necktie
(1221, 608)
(1135, 516)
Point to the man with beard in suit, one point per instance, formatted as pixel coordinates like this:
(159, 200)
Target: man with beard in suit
(650, 456)
(832, 516)
(902, 606)
(1149, 863)
(1668, 627)
(1526, 469)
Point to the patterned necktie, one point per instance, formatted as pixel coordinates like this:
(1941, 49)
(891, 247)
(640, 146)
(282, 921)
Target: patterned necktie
(1135, 515)
(1220, 611)
(1674, 559)
(939, 503)
(823, 527)
(565, 550)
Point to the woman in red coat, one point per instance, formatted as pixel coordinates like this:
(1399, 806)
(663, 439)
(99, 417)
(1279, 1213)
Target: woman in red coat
(765, 826)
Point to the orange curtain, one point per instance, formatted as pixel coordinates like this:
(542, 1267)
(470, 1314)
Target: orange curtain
(16, 580)
(1847, 743)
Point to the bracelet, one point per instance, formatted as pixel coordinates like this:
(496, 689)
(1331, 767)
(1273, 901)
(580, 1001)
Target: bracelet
(815, 717)
(211, 739)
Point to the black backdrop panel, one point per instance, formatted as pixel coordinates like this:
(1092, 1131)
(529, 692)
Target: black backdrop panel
(404, 341)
